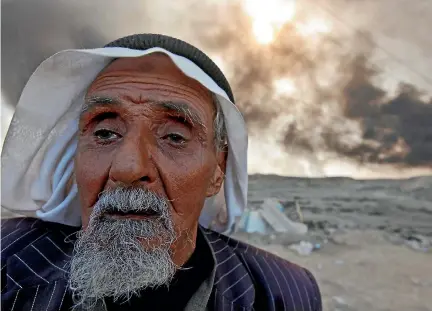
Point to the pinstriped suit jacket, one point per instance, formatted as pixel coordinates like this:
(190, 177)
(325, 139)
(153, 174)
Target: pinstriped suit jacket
(33, 276)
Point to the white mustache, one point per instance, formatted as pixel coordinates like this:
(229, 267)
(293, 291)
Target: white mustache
(130, 200)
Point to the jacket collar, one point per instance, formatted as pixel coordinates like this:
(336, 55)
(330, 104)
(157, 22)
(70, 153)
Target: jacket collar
(232, 284)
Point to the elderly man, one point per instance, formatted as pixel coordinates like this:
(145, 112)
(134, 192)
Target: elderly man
(117, 154)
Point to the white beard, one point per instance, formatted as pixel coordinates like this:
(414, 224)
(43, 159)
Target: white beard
(110, 261)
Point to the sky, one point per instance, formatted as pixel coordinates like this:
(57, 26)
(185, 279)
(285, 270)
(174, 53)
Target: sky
(327, 87)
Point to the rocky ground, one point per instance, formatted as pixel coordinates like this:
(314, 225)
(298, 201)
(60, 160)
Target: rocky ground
(363, 271)
(374, 238)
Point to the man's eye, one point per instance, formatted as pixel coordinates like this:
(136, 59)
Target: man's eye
(175, 138)
(106, 135)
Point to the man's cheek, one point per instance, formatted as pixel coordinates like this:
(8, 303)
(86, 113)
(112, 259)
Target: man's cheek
(91, 170)
(191, 187)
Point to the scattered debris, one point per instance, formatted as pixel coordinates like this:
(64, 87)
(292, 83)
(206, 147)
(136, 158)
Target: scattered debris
(339, 300)
(418, 282)
(417, 246)
(299, 212)
(418, 243)
(303, 248)
(338, 240)
(272, 212)
(341, 304)
(252, 222)
(270, 217)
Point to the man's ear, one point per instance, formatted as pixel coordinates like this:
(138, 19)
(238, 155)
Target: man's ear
(219, 173)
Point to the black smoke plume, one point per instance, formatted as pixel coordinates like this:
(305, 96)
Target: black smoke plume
(391, 127)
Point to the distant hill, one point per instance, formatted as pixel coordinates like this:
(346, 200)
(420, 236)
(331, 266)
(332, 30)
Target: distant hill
(390, 205)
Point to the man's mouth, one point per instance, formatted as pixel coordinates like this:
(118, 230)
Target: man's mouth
(132, 214)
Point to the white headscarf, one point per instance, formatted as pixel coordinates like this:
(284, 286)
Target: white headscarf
(37, 157)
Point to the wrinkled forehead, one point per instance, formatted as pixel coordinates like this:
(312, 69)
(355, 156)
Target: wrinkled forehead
(157, 65)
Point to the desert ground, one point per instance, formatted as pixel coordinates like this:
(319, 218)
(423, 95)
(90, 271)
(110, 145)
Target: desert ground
(375, 238)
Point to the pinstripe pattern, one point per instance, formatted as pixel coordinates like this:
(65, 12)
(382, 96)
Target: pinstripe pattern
(34, 277)
(262, 281)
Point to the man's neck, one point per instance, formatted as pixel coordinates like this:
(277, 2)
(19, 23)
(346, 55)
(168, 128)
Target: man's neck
(184, 246)
(180, 290)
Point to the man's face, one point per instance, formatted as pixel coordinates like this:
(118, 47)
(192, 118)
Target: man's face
(131, 136)
(147, 126)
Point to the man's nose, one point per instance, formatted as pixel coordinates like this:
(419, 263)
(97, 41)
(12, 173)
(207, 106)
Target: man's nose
(132, 163)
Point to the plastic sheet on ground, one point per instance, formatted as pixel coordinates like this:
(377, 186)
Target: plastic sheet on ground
(268, 218)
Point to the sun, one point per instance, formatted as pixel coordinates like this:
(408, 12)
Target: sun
(284, 86)
(268, 17)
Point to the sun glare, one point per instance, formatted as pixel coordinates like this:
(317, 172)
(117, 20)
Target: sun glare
(284, 87)
(268, 17)
(263, 31)
(313, 27)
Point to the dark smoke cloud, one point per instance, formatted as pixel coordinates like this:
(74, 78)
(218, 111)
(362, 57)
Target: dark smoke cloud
(350, 115)
(393, 128)
(403, 120)
(396, 128)
(31, 31)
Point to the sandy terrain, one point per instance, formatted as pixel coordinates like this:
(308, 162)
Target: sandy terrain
(366, 272)
(375, 239)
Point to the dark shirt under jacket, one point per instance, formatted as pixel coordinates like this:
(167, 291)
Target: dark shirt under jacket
(185, 284)
(35, 253)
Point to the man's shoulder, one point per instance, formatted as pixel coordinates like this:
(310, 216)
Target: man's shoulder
(18, 234)
(33, 258)
(275, 278)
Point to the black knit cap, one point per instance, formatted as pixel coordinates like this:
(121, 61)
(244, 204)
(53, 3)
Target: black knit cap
(178, 47)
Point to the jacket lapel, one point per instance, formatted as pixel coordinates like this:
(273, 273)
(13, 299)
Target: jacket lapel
(233, 287)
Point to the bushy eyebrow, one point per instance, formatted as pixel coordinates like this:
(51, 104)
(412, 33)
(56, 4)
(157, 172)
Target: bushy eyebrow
(97, 101)
(178, 108)
(182, 109)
